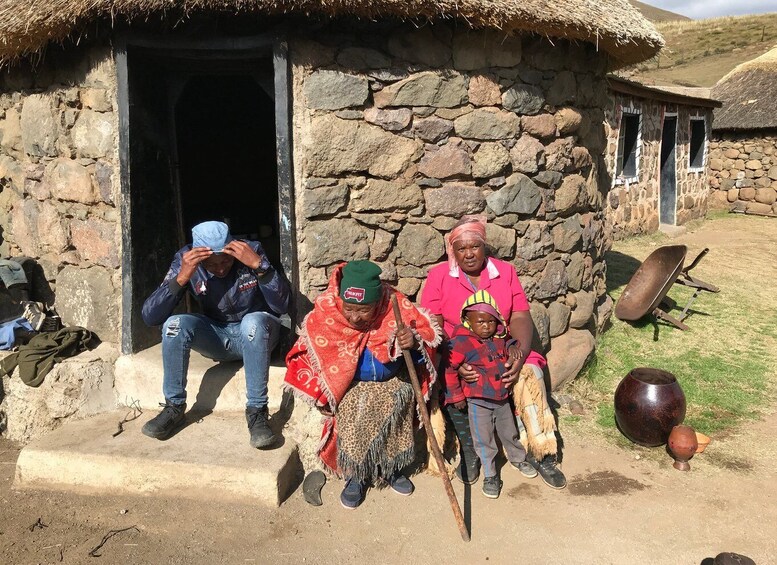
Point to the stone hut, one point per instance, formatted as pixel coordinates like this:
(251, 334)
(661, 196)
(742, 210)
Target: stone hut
(743, 153)
(657, 155)
(329, 130)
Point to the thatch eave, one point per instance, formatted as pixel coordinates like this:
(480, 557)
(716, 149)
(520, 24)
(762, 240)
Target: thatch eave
(27, 26)
(747, 92)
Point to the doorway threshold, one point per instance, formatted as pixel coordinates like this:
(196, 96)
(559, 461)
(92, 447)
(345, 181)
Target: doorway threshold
(672, 231)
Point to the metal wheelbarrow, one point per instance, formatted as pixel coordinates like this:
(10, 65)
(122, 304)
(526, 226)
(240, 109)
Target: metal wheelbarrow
(652, 281)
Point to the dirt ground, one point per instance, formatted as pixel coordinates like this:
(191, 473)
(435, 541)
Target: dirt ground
(618, 507)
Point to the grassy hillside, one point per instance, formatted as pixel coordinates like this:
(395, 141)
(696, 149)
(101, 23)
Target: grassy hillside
(700, 52)
(657, 14)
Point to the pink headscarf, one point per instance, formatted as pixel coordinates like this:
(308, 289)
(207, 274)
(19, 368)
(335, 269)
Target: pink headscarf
(470, 227)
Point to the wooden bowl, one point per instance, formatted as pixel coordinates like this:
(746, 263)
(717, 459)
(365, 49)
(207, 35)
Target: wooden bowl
(703, 441)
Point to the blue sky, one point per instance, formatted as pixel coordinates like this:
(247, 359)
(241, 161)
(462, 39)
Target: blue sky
(698, 9)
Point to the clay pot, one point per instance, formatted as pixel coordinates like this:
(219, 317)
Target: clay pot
(648, 404)
(682, 445)
(703, 441)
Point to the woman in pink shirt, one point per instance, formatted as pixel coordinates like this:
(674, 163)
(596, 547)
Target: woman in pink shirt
(448, 285)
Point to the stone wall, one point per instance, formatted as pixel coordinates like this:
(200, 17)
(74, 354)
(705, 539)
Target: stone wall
(743, 171)
(633, 204)
(59, 182)
(399, 132)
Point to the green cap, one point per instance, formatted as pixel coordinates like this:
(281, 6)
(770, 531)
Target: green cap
(360, 283)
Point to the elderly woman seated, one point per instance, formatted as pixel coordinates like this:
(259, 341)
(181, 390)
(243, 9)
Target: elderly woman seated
(448, 285)
(348, 363)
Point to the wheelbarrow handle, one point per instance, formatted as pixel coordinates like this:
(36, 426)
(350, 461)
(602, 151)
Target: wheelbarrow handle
(695, 262)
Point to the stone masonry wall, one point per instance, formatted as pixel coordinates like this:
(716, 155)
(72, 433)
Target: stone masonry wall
(633, 205)
(399, 132)
(743, 171)
(59, 182)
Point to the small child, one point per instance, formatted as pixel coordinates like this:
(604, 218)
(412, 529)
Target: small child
(481, 341)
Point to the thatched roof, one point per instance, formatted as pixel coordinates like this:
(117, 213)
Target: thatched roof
(26, 26)
(668, 94)
(748, 95)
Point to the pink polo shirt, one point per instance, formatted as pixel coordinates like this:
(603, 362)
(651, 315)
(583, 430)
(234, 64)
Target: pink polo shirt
(445, 293)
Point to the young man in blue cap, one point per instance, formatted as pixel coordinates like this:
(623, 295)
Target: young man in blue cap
(240, 296)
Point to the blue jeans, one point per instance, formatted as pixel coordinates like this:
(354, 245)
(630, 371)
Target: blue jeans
(251, 340)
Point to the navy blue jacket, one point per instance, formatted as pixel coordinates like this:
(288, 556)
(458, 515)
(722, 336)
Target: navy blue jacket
(228, 299)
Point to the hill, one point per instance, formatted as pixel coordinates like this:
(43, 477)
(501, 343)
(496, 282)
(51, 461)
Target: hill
(657, 14)
(701, 52)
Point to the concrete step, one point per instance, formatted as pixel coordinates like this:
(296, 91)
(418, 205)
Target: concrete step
(211, 386)
(208, 458)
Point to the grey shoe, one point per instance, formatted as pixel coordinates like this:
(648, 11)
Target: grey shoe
(468, 470)
(550, 473)
(353, 494)
(525, 468)
(259, 427)
(166, 422)
(400, 484)
(492, 486)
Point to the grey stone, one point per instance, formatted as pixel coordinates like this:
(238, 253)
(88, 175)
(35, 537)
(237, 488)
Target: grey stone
(558, 154)
(72, 182)
(103, 174)
(568, 121)
(11, 133)
(523, 99)
(429, 183)
(554, 281)
(333, 90)
(324, 201)
(563, 90)
(527, 155)
(489, 160)
(332, 146)
(39, 129)
(382, 245)
(432, 129)
(350, 114)
(569, 195)
(549, 179)
(361, 58)
(500, 240)
(38, 228)
(96, 99)
(568, 234)
(558, 314)
(336, 240)
(568, 354)
(575, 271)
(420, 244)
(94, 135)
(539, 315)
(454, 199)
(392, 120)
(87, 298)
(419, 46)
(379, 195)
(450, 160)
(480, 49)
(424, 89)
(584, 309)
(535, 242)
(96, 241)
(487, 124)
(519, 196)
(390, 75)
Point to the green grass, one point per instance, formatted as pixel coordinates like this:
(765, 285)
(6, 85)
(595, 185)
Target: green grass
(724, 363)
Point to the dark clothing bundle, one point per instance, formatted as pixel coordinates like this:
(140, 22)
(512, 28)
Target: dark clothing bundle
(37, 358)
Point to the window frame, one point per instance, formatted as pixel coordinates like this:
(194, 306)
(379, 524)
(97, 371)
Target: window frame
(704, 144)
(619, 177)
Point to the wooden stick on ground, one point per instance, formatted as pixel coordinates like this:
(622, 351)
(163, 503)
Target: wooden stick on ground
(419, 397)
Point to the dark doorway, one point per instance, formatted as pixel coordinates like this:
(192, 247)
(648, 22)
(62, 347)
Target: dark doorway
(668, 196)
(199, 141)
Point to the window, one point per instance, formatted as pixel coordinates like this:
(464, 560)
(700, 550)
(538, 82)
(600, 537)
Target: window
(628, 145)
(698, 142)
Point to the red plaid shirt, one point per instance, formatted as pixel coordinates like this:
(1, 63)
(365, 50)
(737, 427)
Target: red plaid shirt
(486, 356)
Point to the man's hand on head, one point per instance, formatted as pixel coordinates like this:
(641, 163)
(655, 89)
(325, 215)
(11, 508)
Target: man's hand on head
(241, 251)
(189, 262)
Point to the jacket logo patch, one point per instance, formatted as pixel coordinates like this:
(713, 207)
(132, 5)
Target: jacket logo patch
(201, 288)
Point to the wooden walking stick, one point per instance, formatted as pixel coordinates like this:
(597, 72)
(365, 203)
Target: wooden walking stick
(419, 397)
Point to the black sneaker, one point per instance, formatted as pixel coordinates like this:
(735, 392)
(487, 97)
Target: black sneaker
(525, 468)
(550, 473)
(400, 484)
(352, 495)
(492, 486)
(468, 474)
(259, 426)
(166, 422)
